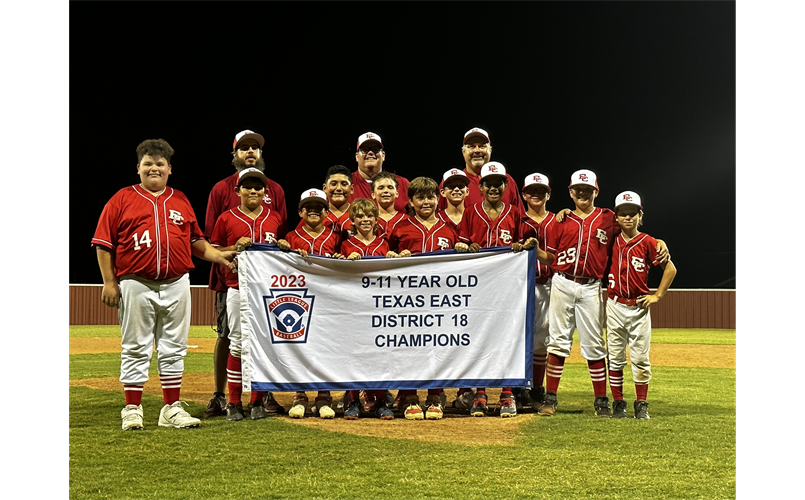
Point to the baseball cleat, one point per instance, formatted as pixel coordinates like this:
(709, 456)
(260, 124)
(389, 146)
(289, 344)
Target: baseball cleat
(216, 407)
(234, 412)
(298, 407)
(619, 408)
(479, 406)
(412, 409)
(641, 410)
(507, 407)
(173, 415)
(548, 406)
(383, 411)
(271, 405)
(323, 406)
(464, 401)
(132, 416)
(257, 411)
(434, 410)
(601, 406)
(353, 411)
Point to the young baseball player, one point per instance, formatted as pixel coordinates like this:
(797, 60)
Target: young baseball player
(455, 187)
(385, 192)
(365, 242)
(537, 224)
(628, 318)
(422, 232)
(338, 188)
(145, 237)
(235, 230)
(490, 223)
(312, 238)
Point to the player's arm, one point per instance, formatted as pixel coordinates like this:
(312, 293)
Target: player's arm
(239, 246)
(662, 252)
(544, 256)
(668, 274)
(203, 250)
(560, 216)
(110, 295)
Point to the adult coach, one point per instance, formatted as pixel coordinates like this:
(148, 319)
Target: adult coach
(144, 240)
(477, 151)
(247, 152)
(370, 156)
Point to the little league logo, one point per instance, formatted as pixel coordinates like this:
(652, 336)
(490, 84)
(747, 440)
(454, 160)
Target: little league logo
(288, 314)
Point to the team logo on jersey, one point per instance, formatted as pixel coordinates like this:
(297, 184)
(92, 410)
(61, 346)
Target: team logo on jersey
(270, 237)
(288, 313)
(443, 243)
(505, 236)
(602, 236)
(638, 264)
(176, 217)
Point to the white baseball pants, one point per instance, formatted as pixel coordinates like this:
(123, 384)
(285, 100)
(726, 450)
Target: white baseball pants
(576, 306)
(629, 325)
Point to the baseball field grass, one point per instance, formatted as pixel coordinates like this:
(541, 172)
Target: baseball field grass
(687, 450)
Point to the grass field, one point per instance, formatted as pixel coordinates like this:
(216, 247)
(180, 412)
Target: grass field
(686, 451)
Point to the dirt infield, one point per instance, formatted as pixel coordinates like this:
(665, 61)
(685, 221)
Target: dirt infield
(453, 428)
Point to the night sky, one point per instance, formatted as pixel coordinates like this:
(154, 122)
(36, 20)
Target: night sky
(642, 93)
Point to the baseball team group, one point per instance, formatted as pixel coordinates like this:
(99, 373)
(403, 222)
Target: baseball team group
(148, 232)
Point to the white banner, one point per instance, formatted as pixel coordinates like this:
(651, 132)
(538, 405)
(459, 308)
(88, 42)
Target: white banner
(435, 320)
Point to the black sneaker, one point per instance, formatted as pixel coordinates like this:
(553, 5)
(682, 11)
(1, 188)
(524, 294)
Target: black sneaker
(641, 410)
(548, 406)
(383, 411)
(619, 408)
(602, 407)
(234, 412)
(353, 411)
(536, 394)
(216, 407)
(257, 411)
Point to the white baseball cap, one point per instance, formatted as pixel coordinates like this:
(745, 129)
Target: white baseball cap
(628, 198)
(369, 136)
(315, 195)
(254, 173)
(246, 135)
(536, 179)
(584, 177)
(455, 173)
(476, 132)
(492, 169)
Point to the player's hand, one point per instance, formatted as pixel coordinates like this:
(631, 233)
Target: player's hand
(301, 252)
(110, 295)
(517, 247)
(462, 247)
(405, 253)
(354, 256)
(229, 260)
(338, 256)
(530, 243)
(283, 245)
(663, 255)
(243, 243)
(475, 247)
(392, 255)
(561, 215)
(645, 301)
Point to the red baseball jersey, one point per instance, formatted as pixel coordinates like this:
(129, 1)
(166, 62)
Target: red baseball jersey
(326, 243)
(477, 227)
(631, 261)
(529, 228)
(222, 198)
(410, 234)
(149, 235)
(582, 246)
(377, 247)
(442, 215)
(510, 197)
(361, 188)
(340, 224)
(234, 224)
(385, 227)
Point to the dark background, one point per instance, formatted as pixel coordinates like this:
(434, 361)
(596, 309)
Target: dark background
(642, 93)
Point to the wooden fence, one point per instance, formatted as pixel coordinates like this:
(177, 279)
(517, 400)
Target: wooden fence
(678, 309)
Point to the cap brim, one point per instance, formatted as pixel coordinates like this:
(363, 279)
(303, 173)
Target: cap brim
(370, 141)
(462, 178)
(475, 134)
(253, 137)
(314, 199)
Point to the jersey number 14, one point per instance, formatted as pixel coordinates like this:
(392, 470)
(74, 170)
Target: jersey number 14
(145, 240)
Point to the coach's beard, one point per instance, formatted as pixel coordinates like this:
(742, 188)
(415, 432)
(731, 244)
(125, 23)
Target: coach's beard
(240, 164)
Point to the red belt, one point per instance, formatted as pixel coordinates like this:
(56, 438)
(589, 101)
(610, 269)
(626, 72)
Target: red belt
(628, 302)
(584, 280)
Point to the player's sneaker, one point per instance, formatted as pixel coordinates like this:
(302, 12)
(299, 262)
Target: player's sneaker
(132, 416)
(434, 409)
(601, 406)
(353, 411)
(216, 407)
(383, 411)
(298, 407)
(323, 405)
(344, 402)
(619, 408)
(271, 405)
(641, 410)
(479, 406)
(536, 394)
(521, 398)
(507, 407)
(257, 411)
(369, 401)
(548, 406)
(464, 401)
(234, 412)
(173, 415)
(412, 409)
